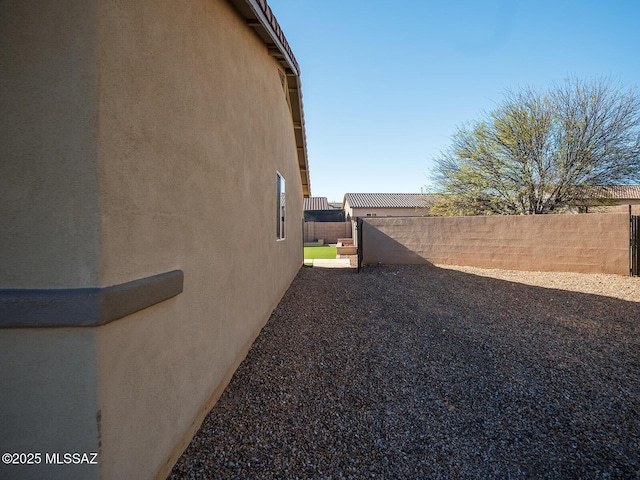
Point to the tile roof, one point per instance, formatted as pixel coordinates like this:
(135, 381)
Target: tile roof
(614, 192)
(273, 22)
(316, 203)
(261, 19)
(390, 200)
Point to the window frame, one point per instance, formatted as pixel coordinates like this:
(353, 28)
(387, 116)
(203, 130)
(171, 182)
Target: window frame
(281, 203)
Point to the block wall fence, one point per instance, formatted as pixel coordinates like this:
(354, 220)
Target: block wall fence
(588, 243)
(329, 231)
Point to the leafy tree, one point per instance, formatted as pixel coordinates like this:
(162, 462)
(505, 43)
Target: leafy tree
(537, 152)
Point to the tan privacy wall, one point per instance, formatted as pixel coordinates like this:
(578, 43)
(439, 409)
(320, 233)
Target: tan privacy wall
(353, 213)
(330, 232)
(147, 139)
(589, 243)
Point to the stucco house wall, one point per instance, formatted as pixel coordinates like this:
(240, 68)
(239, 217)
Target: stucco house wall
(387, 212)
(609, 199)
(138, 138)
(625, 206)
(387, 204)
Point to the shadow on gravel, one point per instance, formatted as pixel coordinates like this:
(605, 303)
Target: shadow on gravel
(422, 372)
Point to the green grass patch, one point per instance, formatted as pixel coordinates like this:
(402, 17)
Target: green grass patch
(320, 252)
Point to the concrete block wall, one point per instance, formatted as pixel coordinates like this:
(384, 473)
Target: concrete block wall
(590, 243)
(329, 231)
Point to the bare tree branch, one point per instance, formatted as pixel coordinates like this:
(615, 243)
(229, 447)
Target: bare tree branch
(536, 151)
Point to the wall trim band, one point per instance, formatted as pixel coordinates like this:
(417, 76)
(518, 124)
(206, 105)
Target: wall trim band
(85, 307)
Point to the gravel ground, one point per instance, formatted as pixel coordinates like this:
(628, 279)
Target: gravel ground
(428, 372)
(353, 259)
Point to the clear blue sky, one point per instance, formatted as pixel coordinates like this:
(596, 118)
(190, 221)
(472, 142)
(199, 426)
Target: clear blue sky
(386, 83)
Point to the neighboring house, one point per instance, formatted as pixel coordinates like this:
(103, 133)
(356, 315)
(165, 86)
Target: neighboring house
(386, 205)
(317, 209)
(153, 170)
(610, 199)
(316, 203)
(322, 221)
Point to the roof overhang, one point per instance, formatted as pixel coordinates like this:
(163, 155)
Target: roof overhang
(261, 19)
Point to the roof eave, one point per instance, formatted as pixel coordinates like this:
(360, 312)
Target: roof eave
(261, 19)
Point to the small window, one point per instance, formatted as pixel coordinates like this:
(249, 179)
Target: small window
(281, 202)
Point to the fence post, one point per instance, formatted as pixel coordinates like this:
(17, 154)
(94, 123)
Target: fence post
(634, 244)
(360, 249)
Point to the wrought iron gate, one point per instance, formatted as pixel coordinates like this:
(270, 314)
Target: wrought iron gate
(359, 236)
(635, 246)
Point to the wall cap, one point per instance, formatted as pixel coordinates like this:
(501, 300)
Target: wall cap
(85, 307)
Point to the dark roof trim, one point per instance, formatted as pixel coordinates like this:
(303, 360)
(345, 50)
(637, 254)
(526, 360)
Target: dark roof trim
(261, 19)
(268, 21)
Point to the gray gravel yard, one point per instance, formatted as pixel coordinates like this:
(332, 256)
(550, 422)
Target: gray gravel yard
(428, 372)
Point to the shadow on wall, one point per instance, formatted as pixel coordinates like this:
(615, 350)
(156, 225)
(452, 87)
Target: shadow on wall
(378, 247)
(597, 243)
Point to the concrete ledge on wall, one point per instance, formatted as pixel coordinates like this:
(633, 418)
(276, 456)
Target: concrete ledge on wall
(85, 307)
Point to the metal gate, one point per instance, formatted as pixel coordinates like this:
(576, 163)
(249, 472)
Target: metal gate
(635, 246)
(360, 246)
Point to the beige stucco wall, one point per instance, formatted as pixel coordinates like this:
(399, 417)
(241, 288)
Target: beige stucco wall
(48, 395)
(179, 137)
(633, 205)
(594, 243)
(387, 212)
(194, 125)
(49, 218)
(49, 226)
